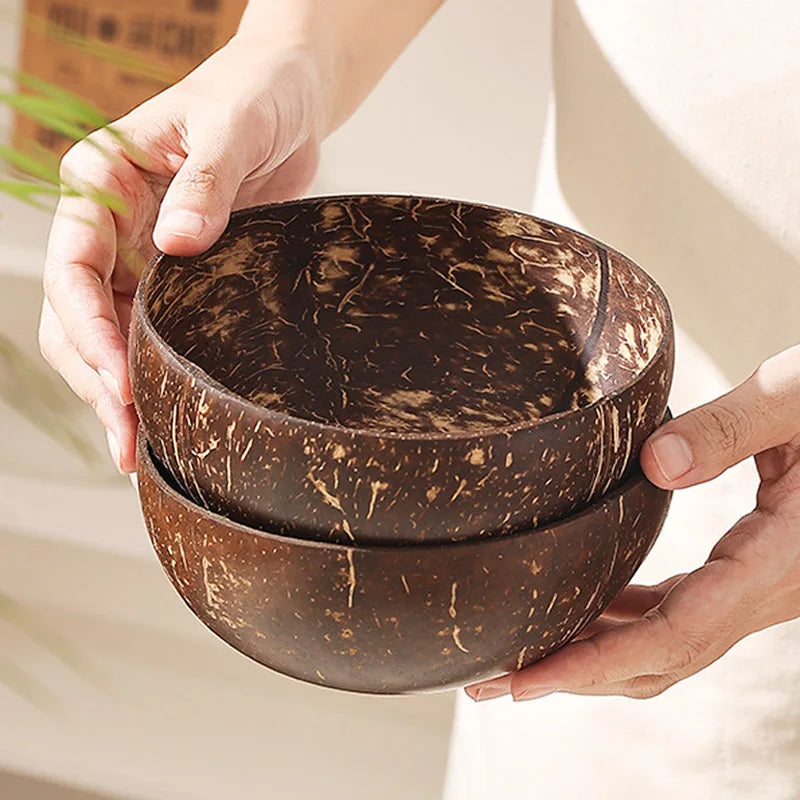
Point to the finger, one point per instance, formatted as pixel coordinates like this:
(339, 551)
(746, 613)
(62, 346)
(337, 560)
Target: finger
(636, 600)
(648, 686)
(490, 689)
(602, 623)
(700, 610)
(500, 686)
(197, 205)
(641, 687)
(610, 657)
(80, 258)
(291, 179)
(762, 548)
(123, 305)
(632, 603)
(761, 413)
(776, 462)
(119, 420)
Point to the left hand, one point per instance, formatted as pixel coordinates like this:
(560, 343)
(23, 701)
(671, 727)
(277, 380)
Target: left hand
(243, 128)
(651, 637)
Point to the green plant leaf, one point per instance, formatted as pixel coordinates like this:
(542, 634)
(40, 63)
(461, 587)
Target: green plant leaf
(47, 112)
(78, 107)
(35, 166)
(26, 188)
(26, 192)
(101, 197)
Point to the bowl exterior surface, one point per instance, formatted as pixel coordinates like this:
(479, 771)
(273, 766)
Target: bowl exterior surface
(390, 620)
(333, 483)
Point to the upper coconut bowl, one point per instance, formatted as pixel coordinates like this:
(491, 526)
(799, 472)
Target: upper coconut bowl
(392, 620)
(397, 369)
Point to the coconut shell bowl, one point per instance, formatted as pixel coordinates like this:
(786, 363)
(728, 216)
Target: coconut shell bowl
(377, 370)
(392, 620)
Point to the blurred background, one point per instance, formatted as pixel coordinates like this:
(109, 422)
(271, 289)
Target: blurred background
(109, 688)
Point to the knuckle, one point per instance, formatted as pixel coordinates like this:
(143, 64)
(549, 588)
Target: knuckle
(725, 427)
(647, 687)
(595, 666)
(73, 160)
(96, 331)
(97, 398)
(781, 498)
(679, 650)
(771, 374)
(201, 179)
(50, 282)
(79, 157)
(685, 652)
(60, 281)
(683, 655)
(749, 560)
(94, 397)
(732, 552)
(92, 165)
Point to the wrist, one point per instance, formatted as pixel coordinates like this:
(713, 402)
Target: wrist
(349, 43)
(295, 33)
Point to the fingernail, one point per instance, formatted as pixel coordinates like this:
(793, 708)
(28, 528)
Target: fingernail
(187, 224)
(111, 384)
(489, 693)
(489, 690)
(534, 693)
(672, 455)
(113, 448)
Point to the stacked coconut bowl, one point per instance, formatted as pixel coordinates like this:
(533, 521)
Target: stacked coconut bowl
(390, 444)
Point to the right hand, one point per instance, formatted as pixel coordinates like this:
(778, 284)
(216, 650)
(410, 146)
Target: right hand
(243, 128)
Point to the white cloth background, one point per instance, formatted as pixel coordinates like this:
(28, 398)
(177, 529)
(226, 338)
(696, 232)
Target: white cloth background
(674, 135)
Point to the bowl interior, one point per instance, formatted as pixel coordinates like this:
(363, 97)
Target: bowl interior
(408, 315)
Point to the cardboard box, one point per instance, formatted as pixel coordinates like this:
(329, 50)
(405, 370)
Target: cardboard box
(118, 53)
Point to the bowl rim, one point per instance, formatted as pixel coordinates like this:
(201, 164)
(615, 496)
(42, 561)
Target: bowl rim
(146, 458)
(262, 413)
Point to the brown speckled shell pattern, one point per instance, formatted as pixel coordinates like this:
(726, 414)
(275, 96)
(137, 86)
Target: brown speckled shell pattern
(394, 369)
(399, 619)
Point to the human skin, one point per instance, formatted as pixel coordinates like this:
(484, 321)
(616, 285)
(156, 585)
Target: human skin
(245, 128)
(651, 637)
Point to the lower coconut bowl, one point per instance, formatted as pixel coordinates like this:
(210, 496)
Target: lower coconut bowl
(393, 620)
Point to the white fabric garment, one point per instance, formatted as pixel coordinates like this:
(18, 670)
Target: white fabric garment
(675, 136)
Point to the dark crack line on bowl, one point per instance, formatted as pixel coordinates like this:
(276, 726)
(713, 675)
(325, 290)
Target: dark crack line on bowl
(588, 350)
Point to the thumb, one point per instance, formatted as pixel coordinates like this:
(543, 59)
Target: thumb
(198, 202)
(761, 413)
